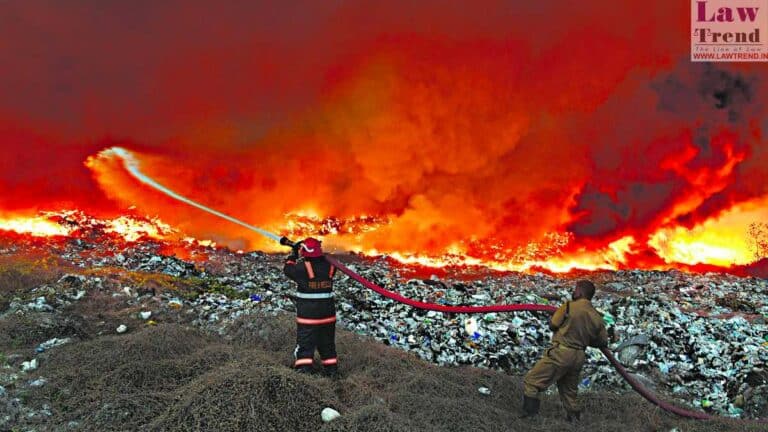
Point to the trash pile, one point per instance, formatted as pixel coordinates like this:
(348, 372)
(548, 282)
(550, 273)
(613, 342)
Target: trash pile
(19, 372)
(701, 339)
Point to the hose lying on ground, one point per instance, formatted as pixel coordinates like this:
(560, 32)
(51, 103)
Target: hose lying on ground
(644, 392)
(438, 307)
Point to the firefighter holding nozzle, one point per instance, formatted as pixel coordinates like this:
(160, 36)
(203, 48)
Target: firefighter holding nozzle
(577, 325)
(315, 306)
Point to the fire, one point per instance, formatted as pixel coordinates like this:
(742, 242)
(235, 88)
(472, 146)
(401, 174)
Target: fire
(308, 223)
(132, 229)
(721, 241)
(73, 223)
(418, 138)
(612, 257)
(37, 226)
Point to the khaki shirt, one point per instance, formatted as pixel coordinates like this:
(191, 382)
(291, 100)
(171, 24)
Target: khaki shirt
(580, 327)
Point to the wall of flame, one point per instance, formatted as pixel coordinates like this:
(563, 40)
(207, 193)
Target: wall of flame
(513, 134)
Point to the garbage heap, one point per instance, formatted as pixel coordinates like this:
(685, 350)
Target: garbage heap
(699, 339)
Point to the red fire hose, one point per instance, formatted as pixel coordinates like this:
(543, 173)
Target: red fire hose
(644, 392)
(434, 306)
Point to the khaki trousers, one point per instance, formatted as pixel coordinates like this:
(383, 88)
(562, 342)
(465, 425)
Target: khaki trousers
(559, 365)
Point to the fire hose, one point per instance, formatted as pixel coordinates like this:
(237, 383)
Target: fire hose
(525, 307)
(131, 164)
(639, 388)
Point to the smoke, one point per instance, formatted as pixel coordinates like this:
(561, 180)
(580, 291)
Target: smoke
(39, 171)
(679, 170)
(498, 124)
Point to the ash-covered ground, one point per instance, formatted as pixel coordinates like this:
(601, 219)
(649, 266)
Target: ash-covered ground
(97, 333)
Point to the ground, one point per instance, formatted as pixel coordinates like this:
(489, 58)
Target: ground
(168, 375)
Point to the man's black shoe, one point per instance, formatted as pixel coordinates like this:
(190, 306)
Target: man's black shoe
(573, 416)
(331, 372)
(530, 407)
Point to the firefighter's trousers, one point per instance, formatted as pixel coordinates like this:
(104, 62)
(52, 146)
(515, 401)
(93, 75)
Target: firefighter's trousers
(315, 330)
(561, 365)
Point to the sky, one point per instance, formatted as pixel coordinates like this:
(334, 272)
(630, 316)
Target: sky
(489, 121)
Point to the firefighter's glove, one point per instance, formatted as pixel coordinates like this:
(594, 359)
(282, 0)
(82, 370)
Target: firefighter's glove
(296, 246)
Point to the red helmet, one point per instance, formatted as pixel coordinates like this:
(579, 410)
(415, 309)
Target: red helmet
(311, 247)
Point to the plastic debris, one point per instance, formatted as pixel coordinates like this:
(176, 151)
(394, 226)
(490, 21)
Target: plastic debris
(51, 343)
(329, 414)
(145, 315)
(122, 328)
(39, 305)
(585, 383)
(665, 368)
(29, 365)
(470, 326)
(687, 333)
(631, 349)
(484, 390)
(38, 382)
(608, 319)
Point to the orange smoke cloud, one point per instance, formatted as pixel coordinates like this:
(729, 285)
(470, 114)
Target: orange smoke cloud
(514, 136)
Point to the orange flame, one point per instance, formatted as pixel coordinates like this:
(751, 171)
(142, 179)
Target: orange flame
(67, 223)
(721, 241)
(38, 226)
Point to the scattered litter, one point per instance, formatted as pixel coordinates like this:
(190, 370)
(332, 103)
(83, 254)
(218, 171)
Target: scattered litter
(38, 382)
(631, 349)
(51, 343)
(608, 319)
(122, 328)
(329, 414)
(706, 333)
(470, 326)
(484, 390)
(29, 365)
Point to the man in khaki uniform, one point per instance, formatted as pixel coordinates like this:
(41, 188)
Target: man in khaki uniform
(576, 325)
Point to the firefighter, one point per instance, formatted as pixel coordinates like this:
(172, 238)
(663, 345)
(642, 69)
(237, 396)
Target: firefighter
(576, 325)
(315, 306)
